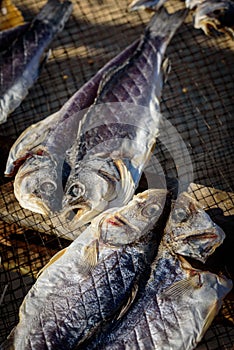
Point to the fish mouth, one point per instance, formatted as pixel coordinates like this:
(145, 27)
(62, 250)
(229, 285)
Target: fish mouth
(199, 245)
(207, 24)
(77, 215)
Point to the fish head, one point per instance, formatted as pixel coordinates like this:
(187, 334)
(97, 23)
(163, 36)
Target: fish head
(120, 226)
(36, 185)
(87, 193)
(131, 222)
(95, 186)
(190, 231)
(218, 15)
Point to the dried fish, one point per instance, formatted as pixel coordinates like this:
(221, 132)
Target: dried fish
(178, 303)
(91, 281)
(118, 132)
(21, 62)
(42, 147)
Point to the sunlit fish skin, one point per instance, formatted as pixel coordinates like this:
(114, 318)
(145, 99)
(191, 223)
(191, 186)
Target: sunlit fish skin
(94, 280)
(47, 142)
(20, 63)
(179, 302)
(118, 132)
(216, 15)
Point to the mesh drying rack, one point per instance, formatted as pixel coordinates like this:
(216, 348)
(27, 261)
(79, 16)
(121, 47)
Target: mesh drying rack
(197, 100)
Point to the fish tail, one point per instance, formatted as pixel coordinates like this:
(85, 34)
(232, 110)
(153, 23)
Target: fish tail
(164, 25)
(55, 14)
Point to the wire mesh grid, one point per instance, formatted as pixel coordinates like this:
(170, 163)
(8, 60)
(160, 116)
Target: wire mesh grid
(197, 99)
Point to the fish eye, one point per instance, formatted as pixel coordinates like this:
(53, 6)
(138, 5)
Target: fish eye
(76, 190)
(48, 187)
(180, 215)
(151, 210)
(218, 12)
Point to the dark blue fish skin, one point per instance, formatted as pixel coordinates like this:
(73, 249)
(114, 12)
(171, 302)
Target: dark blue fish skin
(7, 37)
(20, 64)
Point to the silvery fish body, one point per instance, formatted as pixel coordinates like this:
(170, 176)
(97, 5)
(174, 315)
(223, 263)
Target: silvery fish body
(20, 63)
(118, 132)
(40, 150)
(93, 281)
(179, 302)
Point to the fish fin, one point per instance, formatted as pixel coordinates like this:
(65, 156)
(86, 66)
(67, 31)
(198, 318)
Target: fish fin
(209, 318)
(127, 184)
(166, 68)
(129, 302)
(52, 260)
(89, 257)
(181, 288)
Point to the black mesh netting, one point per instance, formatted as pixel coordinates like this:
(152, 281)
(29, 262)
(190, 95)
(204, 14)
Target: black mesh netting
(197, 99)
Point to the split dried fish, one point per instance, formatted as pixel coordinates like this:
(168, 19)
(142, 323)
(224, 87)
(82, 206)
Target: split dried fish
(91, 281)
(178, 303)
(20, 64)
(38, 154)
(118, 132)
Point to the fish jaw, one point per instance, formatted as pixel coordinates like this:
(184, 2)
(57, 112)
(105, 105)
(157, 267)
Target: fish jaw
(84, 197)
(190, 231)
(217, 15)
